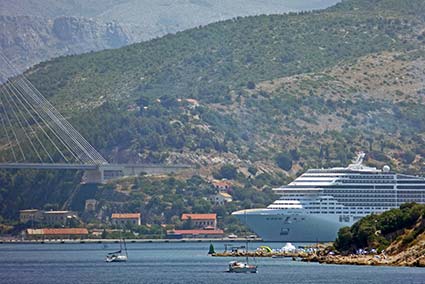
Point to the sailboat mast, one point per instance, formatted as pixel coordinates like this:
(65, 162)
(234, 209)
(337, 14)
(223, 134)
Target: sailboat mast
(120, 241)
(125, 248)
(246, 241)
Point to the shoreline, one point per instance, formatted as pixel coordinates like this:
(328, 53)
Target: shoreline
(110, 241)
(366, 260)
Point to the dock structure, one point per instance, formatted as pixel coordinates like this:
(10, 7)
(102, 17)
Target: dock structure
(260, 253)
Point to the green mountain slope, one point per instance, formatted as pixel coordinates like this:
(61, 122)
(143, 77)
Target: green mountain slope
(274, 94)
(136, 88)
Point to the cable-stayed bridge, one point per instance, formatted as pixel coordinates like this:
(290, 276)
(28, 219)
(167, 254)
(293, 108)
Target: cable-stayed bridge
(34, 135)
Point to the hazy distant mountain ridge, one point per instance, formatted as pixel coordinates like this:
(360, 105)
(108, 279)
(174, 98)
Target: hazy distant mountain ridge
(26, 39)
(123, 10)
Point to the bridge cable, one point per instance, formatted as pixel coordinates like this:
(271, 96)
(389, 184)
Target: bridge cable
(82, 144)
(44, 120)
(22, 97)
(10, 86)
(66, 140)
(76, 149)
(68, 128)
(21, 125)
(9, 141)
(11, 126)
(62, 131)
(75, 135)
(49, 110)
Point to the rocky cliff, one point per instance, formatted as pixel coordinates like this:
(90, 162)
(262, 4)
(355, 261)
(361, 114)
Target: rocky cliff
(29, 40)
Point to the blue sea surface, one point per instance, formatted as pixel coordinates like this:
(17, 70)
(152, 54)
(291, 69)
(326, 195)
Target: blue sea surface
(175, 263)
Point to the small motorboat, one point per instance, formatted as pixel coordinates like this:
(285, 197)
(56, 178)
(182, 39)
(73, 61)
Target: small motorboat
(241, 267)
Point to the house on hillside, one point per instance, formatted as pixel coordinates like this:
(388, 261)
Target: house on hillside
(222, 185)
(201, 220)
(221, 198)
(121, 219)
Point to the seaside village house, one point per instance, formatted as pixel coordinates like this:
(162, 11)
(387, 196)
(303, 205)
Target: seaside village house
(30, 215)
(56, 234)
(201, 221)
(57, 217)
(203, 226)
(122, 219)
(46, 217)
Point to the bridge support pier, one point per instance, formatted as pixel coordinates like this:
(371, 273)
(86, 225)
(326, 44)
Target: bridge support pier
(92, 177)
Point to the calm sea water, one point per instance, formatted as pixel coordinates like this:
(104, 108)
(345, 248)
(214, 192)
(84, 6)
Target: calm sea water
(174, 263)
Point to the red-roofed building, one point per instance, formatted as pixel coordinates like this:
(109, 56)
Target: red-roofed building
(201, 220)
(126, 218)
(204, 233)
(59, 233)
(222, 184)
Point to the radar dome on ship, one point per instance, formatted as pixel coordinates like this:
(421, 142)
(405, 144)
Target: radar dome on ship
(386, 168)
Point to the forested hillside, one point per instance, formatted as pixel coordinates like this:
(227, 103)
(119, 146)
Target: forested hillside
(270, 95)
(323, 83)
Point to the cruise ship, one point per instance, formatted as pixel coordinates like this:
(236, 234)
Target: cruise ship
(315, 205)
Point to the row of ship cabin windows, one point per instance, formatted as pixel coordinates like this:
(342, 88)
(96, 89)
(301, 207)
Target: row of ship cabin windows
(372, 177)
(350, 176)
(286, 219)
(367, 181)
(339, 212)
(359, 191)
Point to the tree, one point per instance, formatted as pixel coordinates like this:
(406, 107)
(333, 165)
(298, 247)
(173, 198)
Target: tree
(284, 161)
(344, 239)
(408, 157)
(250, 85)
(252, 170)
(227, 171)
(188, 224)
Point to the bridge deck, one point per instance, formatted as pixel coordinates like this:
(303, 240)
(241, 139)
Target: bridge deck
(47, 166)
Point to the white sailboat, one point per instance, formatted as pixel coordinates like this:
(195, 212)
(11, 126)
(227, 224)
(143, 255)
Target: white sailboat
(118, 256)
(242, 267)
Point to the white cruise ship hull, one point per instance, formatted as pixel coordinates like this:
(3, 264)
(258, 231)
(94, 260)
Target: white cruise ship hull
(275, 225)
(314, 206)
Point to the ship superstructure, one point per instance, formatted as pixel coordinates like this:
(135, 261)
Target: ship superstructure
(316, 204)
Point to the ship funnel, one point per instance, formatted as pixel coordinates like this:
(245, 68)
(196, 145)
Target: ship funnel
(358, 161)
